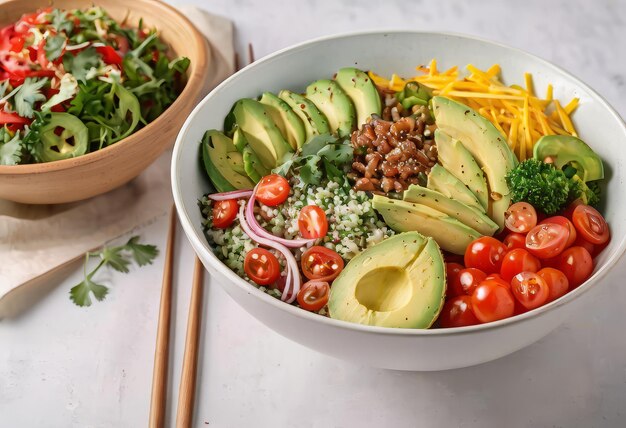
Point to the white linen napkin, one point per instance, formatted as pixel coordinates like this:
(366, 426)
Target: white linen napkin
(38, 242)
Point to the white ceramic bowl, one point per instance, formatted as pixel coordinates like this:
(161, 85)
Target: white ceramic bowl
(386, 53)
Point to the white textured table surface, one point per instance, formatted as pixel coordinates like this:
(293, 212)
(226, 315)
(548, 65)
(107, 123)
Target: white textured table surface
(62, 366)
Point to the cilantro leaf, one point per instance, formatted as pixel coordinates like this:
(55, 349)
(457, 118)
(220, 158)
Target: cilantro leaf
(28, 94)
(54, 47)
(309, 172)
(80, 64)
(113, 257)
(142, 253)
(59, 21)
(80, 294)
(11, 149)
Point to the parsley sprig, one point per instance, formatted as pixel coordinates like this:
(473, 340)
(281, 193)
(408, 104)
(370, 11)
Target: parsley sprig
(119, 258)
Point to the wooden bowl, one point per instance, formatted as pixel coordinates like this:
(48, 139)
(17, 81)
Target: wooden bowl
(103, 170)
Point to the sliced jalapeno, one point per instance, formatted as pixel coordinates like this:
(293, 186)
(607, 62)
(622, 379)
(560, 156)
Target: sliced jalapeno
(63, 136)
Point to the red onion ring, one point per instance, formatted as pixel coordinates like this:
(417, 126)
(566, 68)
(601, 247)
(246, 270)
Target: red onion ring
(235, 194)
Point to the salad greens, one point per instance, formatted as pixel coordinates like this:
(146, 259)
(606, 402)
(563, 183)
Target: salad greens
(75, 81)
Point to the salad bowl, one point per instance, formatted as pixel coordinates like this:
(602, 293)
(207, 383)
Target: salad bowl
(97, 172)
(399, 52)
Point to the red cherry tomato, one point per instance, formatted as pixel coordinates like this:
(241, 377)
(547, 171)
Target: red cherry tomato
(321, 263)
(577, 265)
(273, 190)
(516, 261)
(454, 287)
(569, 211)
(492, 302)
(457, 312)
(313, 295)
(582, 242)
(469, 278)
(563, 221)
(530, 289)
(520, 217)
(486, 254)
(557, 282)
(261, 266)
(224, 213)
(312, 222)
(514, 240)
(547, 240)
(496, 279)
(590, 224)
(109, 56)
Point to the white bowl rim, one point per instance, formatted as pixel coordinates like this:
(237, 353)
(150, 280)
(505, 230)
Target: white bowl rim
(330, 322)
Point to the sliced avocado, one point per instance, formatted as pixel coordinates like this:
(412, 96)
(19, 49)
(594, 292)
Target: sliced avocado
(239, 139)
(328, 96)
(467, 215)
(261, 132)
(403, 216)
(442, 181)
(223, 162)
(314, 120)
(485, 143)
(459, 162)
(361, 90)
(253, 166)
(566, 149)
(287, 121)
(398, 283)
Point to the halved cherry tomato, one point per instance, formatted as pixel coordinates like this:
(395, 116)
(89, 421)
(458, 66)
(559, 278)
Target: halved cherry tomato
(469, 278)
(516, 261)
(557, 282)
(273, 190)
(224, 213)
(520, 217)
(452, 280)
(492, 302)
(314, 295)
(514, 240)
(547, 240)
(486, 254)
(590, 224)
(321, 263)
(109, 56)
(457, 312)
(312, 222)
(530, 289)
(261, 266)
(577, 265)
(563, 221)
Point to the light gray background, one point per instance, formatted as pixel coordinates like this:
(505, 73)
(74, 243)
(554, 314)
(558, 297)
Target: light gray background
(62, 366)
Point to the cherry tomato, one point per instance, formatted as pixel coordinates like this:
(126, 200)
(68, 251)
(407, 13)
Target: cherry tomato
(273, 190)
(457, 312)
(577, 265)
(313, 295)
(563, 221)
(590, 224)
(452, 280)
(469, 278)
(520, 217)
(261, 266)
(312, 222)
(496, 279)
(224, 213)
(516, 261)
(321, 263)
(486, 254)
(582, 242)
(569, 211)
(514, 240)
(530, 289)
(492, 302)
(557, 282)
(547, 240)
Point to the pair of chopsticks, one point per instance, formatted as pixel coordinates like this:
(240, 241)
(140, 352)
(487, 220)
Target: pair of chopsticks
(187, 387)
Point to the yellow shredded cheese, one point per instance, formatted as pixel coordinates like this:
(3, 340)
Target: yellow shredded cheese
(516, 111)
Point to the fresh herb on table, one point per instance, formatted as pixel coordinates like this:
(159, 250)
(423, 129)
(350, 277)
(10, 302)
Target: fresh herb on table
(119, 258)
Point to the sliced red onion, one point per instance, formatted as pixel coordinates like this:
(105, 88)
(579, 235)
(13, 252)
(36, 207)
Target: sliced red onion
(293, 281)
(259, 230)
(78, 46)
(234, 194)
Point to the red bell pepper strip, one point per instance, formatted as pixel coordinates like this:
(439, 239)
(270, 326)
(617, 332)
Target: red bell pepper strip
(109, 56)
(6, 117)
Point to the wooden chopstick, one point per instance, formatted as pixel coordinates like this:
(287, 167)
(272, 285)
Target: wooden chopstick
(162, 350)
(187, 389)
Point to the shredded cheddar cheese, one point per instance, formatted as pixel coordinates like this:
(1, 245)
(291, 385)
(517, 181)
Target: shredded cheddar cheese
(516, 111)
